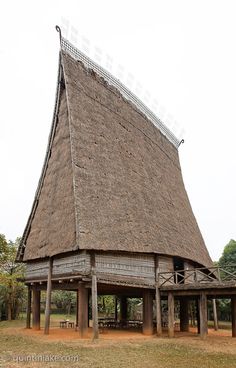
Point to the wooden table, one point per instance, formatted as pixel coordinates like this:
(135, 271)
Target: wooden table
(67, 324)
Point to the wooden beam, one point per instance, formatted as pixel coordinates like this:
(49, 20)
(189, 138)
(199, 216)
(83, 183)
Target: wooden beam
(233, 310)
(203, 315)
(184, 315)
(48, 298)
(36, 309)
(147, 312)
(215, 314)
(171, 314)
(28, 311)
(83, 310)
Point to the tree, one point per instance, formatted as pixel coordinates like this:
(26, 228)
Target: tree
(228, 258)
(229, 254)
(12, 291)
(65, 300)
(3, 248)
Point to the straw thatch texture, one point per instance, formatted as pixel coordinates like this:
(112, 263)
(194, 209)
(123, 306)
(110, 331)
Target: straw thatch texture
(53, 225)
(128, 189)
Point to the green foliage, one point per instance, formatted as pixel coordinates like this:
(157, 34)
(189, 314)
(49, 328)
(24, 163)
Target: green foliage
(12, 291)
(134, 308)
(106, 305)
(3, 248)
(229, 254)
(65, 300)
(228, 258)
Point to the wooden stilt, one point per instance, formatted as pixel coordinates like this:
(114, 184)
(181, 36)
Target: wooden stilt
(116, 308)
(233, 310)
(171, 314)
(83, 310)
(36, 309)
(147, 312)
(198, 315)
(158, 298)
(123, 310)
(203, 315)
(184, 315)
(94, 306)
(28, 312)
(215, 314)
(48, 298)
(77, 310)
(158, 311)
(94, 297)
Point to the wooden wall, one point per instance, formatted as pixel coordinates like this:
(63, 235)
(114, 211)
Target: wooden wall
(116, 267)
(64, 266)
(136, 267)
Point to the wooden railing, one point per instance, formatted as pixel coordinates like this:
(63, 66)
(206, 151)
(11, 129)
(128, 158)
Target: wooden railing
(196, 276)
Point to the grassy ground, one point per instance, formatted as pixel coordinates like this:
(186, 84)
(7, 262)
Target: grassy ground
(180, 352)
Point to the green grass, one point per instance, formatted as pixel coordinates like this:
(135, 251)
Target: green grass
(136, 353)
(222, 324)
(54, 320)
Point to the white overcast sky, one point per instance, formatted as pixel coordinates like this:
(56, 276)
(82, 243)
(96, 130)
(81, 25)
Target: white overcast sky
(178, 56)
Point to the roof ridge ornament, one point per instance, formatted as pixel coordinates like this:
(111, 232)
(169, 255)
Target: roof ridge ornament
(115, 82)
(58, 29)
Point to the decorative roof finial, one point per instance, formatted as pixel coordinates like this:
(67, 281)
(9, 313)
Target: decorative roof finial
(58, 29)
(182, 141)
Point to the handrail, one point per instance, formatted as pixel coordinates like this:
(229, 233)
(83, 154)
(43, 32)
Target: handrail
(199, 275)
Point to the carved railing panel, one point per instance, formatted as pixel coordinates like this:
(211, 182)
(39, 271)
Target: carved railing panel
(213, 275)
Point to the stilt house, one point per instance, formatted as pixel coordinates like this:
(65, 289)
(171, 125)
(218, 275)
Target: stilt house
(111, 211)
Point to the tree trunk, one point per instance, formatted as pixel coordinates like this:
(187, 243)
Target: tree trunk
(9, 309)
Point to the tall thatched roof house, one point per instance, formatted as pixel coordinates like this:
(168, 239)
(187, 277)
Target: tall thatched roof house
(111, 201)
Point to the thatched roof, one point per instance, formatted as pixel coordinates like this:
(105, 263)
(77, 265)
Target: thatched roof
(111, 179)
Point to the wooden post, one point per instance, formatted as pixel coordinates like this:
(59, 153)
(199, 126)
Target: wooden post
(171, 314)
(83, 310)
(215, 314)
(36, 309)
(147, 312)
(48, 298)
(198, 315)
(158, 298)
(116, 305)
(94, 306)
(233, 310)
(94, 297)
(28, 312)
(158, 311)
(77, 310)
(203, 315)
(123, 310)
(184, 315)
